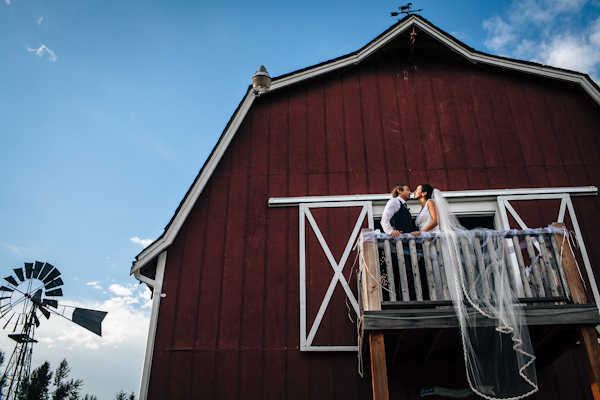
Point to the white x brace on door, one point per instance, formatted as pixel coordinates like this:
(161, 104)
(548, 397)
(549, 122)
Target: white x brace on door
(565, 204)
(308, 332)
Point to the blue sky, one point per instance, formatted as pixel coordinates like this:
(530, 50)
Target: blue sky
(108, 110)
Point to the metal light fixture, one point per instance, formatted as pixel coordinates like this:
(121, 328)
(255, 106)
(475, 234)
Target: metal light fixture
(261, 81)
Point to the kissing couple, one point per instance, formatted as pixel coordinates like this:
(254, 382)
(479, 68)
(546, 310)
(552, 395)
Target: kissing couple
(396, 218)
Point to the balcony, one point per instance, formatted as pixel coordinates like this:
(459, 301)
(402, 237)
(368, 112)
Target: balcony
(407, 315)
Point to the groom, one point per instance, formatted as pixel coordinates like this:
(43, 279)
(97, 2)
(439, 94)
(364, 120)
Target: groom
(396, 219)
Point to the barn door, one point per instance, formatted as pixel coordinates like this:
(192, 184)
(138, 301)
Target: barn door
(561, 203)
(328, 233)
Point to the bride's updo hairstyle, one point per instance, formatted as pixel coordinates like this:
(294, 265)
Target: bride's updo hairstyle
(426, 187)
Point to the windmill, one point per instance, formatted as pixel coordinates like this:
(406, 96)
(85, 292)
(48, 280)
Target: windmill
(34, 288)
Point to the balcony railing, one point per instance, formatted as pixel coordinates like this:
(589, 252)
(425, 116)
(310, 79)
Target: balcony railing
(532, 259)
(404, 283)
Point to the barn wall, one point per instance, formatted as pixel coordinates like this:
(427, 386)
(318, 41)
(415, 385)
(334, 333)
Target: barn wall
(229, 324)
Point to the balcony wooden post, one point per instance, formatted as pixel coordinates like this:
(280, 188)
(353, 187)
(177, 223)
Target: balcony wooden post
(587, 334)
(372, 302)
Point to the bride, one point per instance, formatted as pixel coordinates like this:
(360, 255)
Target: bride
(427, 220)
(498, 355)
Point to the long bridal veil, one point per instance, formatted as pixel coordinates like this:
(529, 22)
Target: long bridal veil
(497, 349)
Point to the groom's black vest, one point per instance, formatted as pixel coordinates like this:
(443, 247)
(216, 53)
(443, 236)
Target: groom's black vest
(402, 221)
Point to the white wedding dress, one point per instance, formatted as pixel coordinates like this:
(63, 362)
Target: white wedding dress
(424, 218)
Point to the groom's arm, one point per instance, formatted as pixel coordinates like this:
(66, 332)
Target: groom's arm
(391, 208)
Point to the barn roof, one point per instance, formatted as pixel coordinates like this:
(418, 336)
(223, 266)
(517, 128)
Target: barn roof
(476, 57)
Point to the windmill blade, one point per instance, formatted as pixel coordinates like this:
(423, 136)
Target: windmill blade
(36, 321)
(28, 270)
(51, 303)
(6, 289)
(45, 271)
(55, 293)
(52, 275)
(10, 279)
(54, 283)
(19, 273)
(45, 312)
(37, 269)
(89, 319)
(37, 297)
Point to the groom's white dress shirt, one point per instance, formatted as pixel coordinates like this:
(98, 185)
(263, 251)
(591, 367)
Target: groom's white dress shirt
(391, 208)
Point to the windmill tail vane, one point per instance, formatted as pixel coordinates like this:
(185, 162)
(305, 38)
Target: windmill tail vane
(33, 288)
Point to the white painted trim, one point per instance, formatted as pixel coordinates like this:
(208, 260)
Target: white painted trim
(156, 283)
(302, 247)
(306, 339)
(457, 194)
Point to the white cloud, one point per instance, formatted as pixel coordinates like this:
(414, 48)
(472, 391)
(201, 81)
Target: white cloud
(7, 2)
(49, 342)
(501, 34)
(548, 32)
(143, 242)
(39, 21)
(120, 290)
(570, 52)
(95, 285)
(541, 12)
(41, 50)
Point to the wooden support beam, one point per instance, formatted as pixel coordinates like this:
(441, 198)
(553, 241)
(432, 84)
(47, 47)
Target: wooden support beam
(372, 302)
(587, 334)
(395, 320)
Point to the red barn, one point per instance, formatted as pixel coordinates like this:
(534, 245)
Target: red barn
(254, 278)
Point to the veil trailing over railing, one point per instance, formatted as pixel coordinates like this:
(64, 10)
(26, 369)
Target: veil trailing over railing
(498, 354)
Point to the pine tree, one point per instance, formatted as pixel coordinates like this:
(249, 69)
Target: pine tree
(65, 389)
(36, 388)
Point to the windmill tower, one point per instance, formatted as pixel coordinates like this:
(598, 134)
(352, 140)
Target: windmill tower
(34, 288)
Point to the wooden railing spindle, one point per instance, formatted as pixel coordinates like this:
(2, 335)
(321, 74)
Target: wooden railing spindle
(414, 261)
(402, 271)
(429, 271)
(506, 265)
(550, 277)
(535, 268)
(442, 267)
(521, 263)
(389, 269)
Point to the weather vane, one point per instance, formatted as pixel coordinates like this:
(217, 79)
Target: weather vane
(404, 10)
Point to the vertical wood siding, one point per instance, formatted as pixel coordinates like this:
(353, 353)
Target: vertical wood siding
(229, 324)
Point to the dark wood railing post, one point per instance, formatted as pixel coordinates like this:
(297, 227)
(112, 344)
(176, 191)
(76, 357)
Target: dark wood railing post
(587, 334)
(372, 302)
